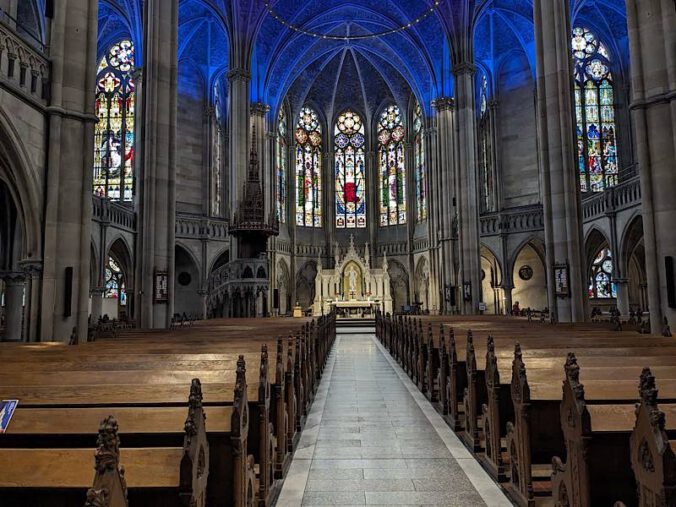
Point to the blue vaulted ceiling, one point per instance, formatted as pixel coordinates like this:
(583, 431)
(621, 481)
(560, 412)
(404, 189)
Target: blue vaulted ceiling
(215, 35)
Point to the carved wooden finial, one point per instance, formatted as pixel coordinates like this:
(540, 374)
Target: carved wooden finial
(571, 368)
(97, 498)
(647, 389)
(470, 338)
(107, 446)
(648, 392)
(442, 335)
(518, 355)
(194, 408)
(490, 345)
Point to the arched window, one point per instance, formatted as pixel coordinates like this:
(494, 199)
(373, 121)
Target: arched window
(392, 164)
(114, 285)
(281, 166)
(600, 284)
(485, 149)
(308, 169)
(350, 171)
(420, 169)
(595, 113)
(114, 132)
(217, 170)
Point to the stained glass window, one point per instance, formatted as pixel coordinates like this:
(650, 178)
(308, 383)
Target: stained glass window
(281, 166)
(114, 132)
(485, 149)
(115, 286)
(420, 169)
(392, 167)
(600, 280)
(350, 172)
(308, 169)
(217, 170)
(595, 113)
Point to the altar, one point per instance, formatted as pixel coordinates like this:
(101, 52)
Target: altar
(353, 288)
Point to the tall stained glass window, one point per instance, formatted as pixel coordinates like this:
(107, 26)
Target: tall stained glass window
(485, 149)
(392, 164)
(350, 172)
(308, 169)
(595, 113)
(600, 284)
(114, 132)
(420, 169)
(217, 170)
(281, 166)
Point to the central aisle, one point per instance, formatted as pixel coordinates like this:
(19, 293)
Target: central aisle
(373, 439)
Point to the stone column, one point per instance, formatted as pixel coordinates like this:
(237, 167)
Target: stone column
(652, 43)
(441, 202)
(157, 204)
(560, 194)
(238, 122)
(70, 157)
(97, 304)
(14, 297)
(32, 271)
(622, 286)
(467, 194)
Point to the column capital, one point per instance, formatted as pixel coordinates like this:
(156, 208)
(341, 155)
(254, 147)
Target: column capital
(259, 109)
(463, 68)
(443, 103)
(239, 74)
(12, 278)
(31, 267)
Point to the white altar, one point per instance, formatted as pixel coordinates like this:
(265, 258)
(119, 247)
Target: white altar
(354, 288)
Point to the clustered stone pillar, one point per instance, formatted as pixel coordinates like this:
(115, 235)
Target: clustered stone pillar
(652, 39)
(70, 157)
(14, 296)
(560, 195)
(157, 188)
(442, 189)
(467, 189)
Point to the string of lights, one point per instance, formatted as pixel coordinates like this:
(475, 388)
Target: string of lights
(346, 38)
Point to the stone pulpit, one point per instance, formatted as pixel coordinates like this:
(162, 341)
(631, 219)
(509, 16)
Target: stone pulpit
(353, 287)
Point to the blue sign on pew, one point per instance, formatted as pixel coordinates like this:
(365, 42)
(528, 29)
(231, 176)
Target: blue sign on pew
(7, 408)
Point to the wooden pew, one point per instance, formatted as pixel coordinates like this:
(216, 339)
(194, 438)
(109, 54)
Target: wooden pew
(495, 413)
(597, 469)
(536, 436)
(152, 476)
(653, 450)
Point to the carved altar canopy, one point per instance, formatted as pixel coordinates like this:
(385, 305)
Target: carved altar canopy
(352, 279)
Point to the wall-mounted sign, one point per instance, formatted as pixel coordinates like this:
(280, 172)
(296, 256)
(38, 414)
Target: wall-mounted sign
(561, 285)
(467, 291)
(161, 287)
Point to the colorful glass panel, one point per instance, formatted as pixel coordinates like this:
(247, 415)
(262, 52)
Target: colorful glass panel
(598, 166)
(281, 167)
(308, 137)
(350, 171)
(216, 172)
(392, 164)
(114, 131)
(114, 282)
(600, 279)
(485, 149)
(420, 171)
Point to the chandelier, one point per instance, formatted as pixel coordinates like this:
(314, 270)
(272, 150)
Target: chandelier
(311, 33)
